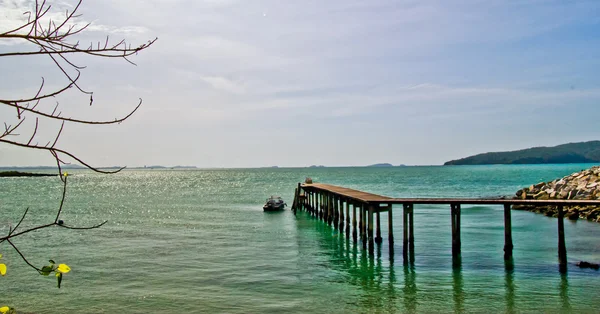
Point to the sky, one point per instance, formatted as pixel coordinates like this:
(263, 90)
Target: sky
(243, 83)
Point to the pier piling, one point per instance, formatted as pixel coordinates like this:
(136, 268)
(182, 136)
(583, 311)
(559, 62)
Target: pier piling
(508, 243)
(455, 214)
(378, 238)
(390, 229)
(354, 231)
(371, 242)
(562, 249)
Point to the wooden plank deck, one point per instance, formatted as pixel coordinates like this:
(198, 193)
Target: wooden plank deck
(375, 199)
(348, 193)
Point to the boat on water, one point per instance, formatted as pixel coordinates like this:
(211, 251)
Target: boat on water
(274, 203)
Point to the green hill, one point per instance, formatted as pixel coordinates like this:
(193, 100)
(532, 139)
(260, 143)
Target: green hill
(562, 154)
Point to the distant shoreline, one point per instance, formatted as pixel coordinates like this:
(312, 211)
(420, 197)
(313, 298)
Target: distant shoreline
(6, 174)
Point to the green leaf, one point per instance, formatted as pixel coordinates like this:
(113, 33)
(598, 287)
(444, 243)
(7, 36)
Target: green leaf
(46, 270)
(51, 261)
(59, 276)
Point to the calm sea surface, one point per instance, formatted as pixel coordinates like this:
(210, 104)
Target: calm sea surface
(184, 241)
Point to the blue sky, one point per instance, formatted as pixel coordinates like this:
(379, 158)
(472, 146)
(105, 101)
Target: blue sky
(293, 83)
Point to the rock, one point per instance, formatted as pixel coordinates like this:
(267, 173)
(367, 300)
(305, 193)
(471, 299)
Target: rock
(572, 216)
(582, 185)
(520, 192)
(583, 264)
(543, 195)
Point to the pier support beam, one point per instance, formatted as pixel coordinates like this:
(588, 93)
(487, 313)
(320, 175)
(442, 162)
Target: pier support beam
(390, 231)
(327, 208)
(363, 224)
(348, 229)
(371, 242)
(319, 204)
(300, 202)
(342, 219)
(354, 231)
(408, 245)
(378, 238)
(562, 248)
(334, 210)
(316, 203)
(455, 216)
(330, 213)
(508, 243)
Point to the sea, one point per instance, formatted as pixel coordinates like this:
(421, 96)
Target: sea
(198, 241)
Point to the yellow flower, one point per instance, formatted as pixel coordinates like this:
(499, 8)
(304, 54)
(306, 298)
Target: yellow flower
(4, 309)
(2, 269)
(63, 268)
(65, 174)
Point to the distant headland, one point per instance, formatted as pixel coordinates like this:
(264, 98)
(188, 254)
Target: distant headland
(582, 152)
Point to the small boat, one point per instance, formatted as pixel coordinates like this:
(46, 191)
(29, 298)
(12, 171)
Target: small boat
(274, 203)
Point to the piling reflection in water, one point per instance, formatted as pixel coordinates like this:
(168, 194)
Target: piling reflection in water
(457, 289)
(510, 291)
(564, 293)
(384, 284)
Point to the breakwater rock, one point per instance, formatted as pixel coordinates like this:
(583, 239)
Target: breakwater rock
(583, 185)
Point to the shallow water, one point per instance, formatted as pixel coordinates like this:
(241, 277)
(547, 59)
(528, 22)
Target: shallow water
(198, 241)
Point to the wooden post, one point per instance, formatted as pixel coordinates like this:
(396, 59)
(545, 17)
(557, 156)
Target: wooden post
(361, 220)
(295, 202)
(341, 220)
(411, 237)
(562, 249)
(325, 206)
(335, 215)
(390, 231)
(405, 209)
(319, 202)
(336, 211)
(348, 230)
(363, 231)
(378, 238)
(371, 244)
(455, 216)
(354, 231)
(329, 208)
(299, 200)
(411, 233)
(508, 243)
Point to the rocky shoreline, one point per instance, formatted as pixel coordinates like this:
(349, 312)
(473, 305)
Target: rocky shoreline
(583, 185)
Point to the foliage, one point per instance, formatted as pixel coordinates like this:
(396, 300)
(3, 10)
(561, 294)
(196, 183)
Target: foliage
(583, 152)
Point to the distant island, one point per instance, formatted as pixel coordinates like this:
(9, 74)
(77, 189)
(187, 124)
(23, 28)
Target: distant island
(382, 165)
(583, 152)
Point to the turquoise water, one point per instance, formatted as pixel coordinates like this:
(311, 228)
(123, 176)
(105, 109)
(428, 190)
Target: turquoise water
(181, 241)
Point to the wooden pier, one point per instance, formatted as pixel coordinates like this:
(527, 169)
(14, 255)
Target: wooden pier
(332, 204)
